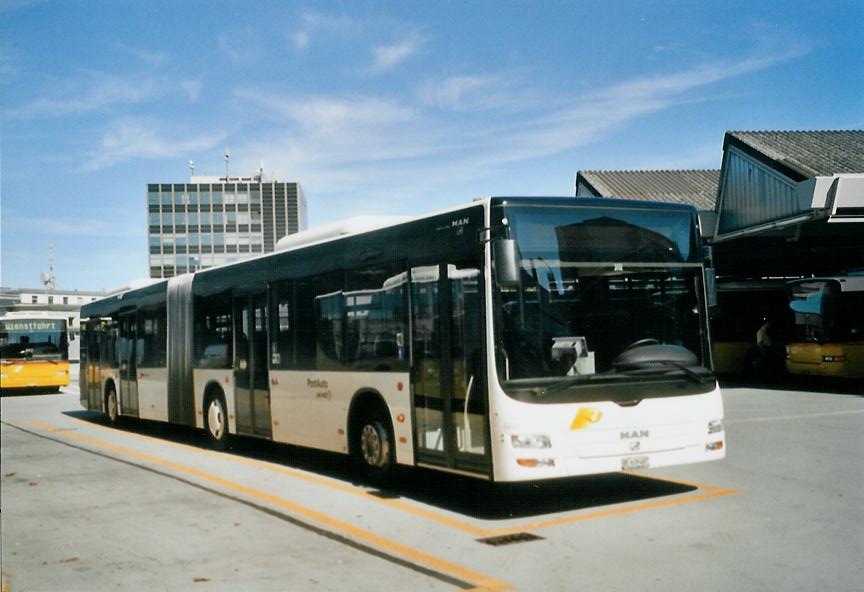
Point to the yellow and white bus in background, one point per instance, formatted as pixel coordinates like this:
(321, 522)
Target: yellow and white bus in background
(829, 326)
(34, 352)
(512, 339)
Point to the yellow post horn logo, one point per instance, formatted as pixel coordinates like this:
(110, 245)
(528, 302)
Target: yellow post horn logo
(585, 417)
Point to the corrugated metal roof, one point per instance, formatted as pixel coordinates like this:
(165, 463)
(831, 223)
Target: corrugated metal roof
(694, 187)
(811, 153)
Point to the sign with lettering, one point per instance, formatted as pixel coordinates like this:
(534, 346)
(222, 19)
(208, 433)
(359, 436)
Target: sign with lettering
(31, 326)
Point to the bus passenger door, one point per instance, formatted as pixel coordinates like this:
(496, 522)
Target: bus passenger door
(251, 377)
(90, 364)
(448, 376)
(128, 365)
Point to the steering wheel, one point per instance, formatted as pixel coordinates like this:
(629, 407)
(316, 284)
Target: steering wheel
(641, 342)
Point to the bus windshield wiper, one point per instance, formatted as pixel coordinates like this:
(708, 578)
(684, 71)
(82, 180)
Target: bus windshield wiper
(644, 366)
(567, 381)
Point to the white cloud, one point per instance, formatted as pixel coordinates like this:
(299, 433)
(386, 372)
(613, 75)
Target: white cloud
(366, 146)
(476, 92)
(337, 129)
(135, 139)
(387, 57)
(94, 92)
(313, 23)
(456, 91)
(300, 39)
(148, 57)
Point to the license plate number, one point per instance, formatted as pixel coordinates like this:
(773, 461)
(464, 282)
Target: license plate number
(632, 463)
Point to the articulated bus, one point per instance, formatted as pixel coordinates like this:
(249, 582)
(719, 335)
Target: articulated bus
(512, 339)
(829, 326)
(34, 352)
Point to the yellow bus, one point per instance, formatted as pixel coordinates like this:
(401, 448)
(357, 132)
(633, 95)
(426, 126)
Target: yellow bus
(34, 352)
(829, 323)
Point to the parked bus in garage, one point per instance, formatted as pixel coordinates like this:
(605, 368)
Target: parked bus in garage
(512, 339)
(34, 352)
(743, 307)
(829, 326)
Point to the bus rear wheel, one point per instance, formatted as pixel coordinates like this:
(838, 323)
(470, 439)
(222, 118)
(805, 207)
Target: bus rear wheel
(216, 421)
(111, 410)
(374, 449)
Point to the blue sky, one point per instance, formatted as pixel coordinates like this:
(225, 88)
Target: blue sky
(376, 107)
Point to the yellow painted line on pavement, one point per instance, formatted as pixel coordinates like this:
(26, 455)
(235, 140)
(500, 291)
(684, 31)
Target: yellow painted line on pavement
(617, 511)
(436, 563)
(708, 492)
(303, 476)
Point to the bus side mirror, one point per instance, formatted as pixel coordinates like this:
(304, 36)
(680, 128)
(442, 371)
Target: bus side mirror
(505, 254)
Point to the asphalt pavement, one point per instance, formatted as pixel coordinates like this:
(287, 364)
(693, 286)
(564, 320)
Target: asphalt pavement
(89, 507)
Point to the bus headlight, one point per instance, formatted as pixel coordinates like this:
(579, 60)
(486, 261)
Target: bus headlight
(532, 441)
(715, 426)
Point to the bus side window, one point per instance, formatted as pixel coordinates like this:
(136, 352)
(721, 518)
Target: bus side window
(308, 324)
(213, 331)
(152, 337)
(304, 329)
(375, 304)
(282, 330)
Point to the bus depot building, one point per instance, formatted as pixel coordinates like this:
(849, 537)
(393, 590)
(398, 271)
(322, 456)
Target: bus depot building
(784, 206)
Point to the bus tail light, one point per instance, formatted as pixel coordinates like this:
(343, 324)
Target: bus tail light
(834, 358)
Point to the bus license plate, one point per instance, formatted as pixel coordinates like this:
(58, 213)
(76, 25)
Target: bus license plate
(632, 463)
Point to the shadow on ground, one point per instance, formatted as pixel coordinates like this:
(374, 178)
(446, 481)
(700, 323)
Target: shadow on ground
(464, 495)
(23, 392)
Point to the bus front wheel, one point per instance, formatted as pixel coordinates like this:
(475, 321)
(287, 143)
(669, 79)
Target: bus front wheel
(216, 421)
(374, 449)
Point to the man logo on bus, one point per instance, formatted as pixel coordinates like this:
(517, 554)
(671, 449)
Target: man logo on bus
(635, 434)
(460, 222)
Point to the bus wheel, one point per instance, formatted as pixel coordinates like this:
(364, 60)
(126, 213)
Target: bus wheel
(216, 421)
(111, 406)
(375, 452)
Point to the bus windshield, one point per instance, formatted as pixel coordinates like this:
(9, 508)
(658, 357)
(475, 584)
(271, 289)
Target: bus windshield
(604, 295)
(823, 311)
(33, 339)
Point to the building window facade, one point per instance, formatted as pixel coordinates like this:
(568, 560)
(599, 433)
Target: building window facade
(210, 221)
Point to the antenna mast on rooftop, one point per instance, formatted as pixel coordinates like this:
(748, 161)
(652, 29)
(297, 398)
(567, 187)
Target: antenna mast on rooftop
(47, 278)
(227, 157)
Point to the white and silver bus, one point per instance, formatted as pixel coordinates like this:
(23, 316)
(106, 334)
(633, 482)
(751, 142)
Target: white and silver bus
(511, 339)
